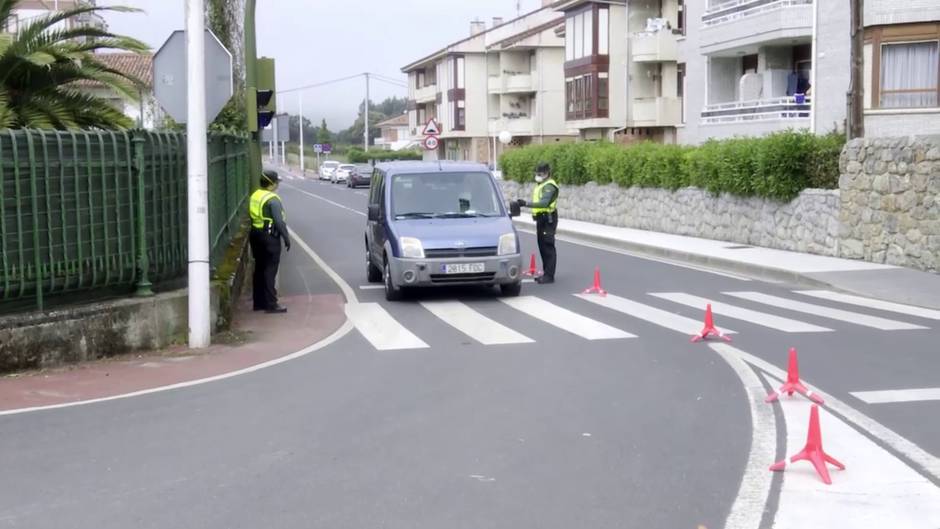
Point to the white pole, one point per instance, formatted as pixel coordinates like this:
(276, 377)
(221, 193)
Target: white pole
(275, 141)
(284, 153)
(365, 116)
(197, 176)
(815, 68)
(300, 101)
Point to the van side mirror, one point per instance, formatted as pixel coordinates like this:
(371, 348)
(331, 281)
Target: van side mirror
(374, 212)
(514, 209)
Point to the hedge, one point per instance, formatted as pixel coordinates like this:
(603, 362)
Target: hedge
(360, 156)
(777, 166)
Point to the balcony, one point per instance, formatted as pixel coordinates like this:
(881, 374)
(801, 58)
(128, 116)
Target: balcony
(660, 46)
(657, 112)
(511, 84)
(522, 126)
(775, 109)
(740, 23)
(426, 94)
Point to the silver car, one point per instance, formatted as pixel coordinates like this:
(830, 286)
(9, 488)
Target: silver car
(341, 174)
(327, 169)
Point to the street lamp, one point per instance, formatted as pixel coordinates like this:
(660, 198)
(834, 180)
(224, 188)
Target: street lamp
(505, 137)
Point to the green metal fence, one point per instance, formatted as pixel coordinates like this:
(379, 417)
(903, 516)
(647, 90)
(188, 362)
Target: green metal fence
(81, 211)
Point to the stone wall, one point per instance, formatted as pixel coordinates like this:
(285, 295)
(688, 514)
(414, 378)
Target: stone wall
(809, 223)
(890, 208)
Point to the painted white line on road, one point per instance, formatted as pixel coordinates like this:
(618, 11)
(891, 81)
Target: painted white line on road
(751, 501)
(888, 306)
(876, 490)
(645, 257)
(564, 319)
(740, 313)
(474, 324)
(371, 287)
(897, 395)
(826, 312)
(660, 317)
(328, 201)
(926, 462)
(381, 330)
(339, 333)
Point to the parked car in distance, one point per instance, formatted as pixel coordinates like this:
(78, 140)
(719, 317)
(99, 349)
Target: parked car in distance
(440, 224)
(361, 176)
(327, 169)
(341, 174)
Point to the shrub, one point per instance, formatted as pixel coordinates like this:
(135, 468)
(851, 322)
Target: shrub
(778, 166)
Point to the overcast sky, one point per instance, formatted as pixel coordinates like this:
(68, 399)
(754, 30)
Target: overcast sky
(320, 40)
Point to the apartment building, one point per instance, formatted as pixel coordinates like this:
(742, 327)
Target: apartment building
(752, 70)
(621, 69)
(27, 10)
(505, 78)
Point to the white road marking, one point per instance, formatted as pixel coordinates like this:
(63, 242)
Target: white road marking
(751, 501)
(826, 312)
(328, 201)
(645, 257)
(877, 489)
(740, 313)
(660, 317)
(381, 330)
(371, 287)
(339, 333)
(926, 462)
(897, 395)
(474, 324)
(887, 306)
(564, 319)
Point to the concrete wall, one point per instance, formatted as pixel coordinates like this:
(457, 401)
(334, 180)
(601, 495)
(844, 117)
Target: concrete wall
(883, 12)
(103, 330)
(890, 201)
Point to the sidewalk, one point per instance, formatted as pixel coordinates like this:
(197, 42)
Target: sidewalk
(257, 338)
(885, 282)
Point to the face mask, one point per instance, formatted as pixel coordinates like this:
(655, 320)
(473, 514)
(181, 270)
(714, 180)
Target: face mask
(539, 178)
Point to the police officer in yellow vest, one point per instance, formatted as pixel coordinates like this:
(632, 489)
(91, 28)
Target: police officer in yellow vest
(268, 227)
(545, 212)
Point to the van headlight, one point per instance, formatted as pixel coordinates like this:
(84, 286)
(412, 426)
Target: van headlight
(411, 248)
(507, 244)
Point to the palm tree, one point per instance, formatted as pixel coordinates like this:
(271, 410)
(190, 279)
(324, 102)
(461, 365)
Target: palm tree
(42, 63)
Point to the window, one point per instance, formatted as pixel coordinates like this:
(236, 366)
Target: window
(460, 72)
(603, 31)
(569, 39)
(602, 93)
(587, 96)
(680, 89)
(680, 24)
(749, 64)
(419, 80)
(578, 36)
(909, 75)
(457, 95)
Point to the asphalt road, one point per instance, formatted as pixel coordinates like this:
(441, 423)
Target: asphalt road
(559, 432)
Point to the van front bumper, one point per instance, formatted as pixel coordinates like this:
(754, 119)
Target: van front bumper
(501, 270)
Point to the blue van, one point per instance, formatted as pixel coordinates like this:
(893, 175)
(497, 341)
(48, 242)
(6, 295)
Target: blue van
(437, 224)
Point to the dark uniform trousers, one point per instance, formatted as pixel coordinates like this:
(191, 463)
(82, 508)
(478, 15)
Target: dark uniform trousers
(266, 249)
(545, 226)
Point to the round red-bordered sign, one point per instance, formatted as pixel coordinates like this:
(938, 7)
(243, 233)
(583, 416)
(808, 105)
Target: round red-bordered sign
(431, 143)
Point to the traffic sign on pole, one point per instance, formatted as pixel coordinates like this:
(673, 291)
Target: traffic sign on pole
(431, 143)
(170, 78)
(432, 128)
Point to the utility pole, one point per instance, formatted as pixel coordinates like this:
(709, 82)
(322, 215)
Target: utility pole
(251, 83)
(365, 116)
(197, 176)
(855, 117)
(300, 104)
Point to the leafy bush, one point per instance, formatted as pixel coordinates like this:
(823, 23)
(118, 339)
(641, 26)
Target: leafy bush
(361, 156)
(778, 166)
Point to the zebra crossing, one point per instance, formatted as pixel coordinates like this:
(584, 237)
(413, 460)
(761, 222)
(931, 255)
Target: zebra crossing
(384, 332)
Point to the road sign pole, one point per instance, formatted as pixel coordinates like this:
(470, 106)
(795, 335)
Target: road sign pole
(197, 176)
(300, 104)
(365, 117)
(275, 154)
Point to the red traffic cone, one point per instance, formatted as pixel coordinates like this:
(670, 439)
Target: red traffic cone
(709, 329)
(596, 289)
(533, 271)
(813, 451)
(793, 384)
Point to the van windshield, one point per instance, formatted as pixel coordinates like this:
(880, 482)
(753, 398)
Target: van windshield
(444, 195)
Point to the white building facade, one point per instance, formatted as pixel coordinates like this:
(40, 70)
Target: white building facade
(508, 78)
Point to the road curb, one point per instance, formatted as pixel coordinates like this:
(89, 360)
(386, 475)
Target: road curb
(717, 263)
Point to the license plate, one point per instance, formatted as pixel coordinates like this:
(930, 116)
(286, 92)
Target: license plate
(464, 268)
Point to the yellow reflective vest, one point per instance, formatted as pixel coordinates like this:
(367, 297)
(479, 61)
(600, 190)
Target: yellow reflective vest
(256, 208)
(537, 197)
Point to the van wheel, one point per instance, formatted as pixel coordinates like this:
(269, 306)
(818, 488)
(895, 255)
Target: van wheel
(392, 292)
(511, 290)
(373, 274)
